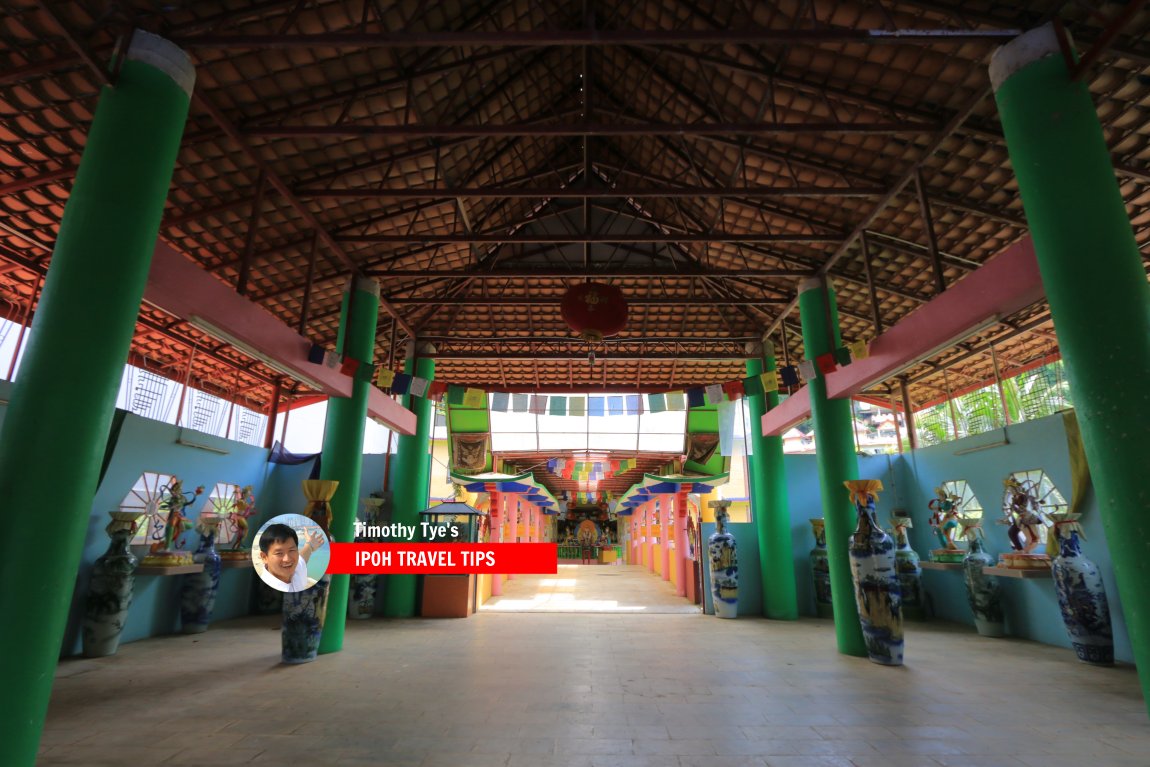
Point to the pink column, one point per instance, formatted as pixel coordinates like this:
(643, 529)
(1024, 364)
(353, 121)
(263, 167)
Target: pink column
(511, 511)
(681, 544)
(648, 519)
(496, 521)
(665, 527)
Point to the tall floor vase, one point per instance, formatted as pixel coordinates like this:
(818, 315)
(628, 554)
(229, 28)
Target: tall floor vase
(821, 571)
(198, 599)
(909, 569)
(724, 564)
(110, 588)
(1081, 596)
(982, 590)
(361, 605)
(303, 616)
(877, 590)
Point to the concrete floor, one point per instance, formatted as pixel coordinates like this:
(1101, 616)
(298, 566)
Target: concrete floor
(593, 690)
(591, 588)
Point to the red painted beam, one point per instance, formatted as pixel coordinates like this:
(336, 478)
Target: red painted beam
(179, 287)
(1004, 285)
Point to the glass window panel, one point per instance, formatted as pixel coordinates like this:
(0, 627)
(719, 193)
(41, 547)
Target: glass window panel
(514, 441)
(563, 441)
(661, 443)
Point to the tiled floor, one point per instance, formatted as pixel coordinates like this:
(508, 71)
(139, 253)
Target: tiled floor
(593, 690)
(591, 588)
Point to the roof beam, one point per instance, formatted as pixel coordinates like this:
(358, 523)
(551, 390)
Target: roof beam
(533, 274)
(562, 239)
(498, 301)
(480, 130)
(759, 192)
(1007, 283)
(423, 38)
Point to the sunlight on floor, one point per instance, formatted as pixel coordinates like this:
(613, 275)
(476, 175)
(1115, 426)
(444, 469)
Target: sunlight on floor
(584, 589)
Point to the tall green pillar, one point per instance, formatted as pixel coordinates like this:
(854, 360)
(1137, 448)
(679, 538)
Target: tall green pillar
(1099, 299)
(411, 479)
(342, 458)
(835, 448)
(772, 513)
(83, 327)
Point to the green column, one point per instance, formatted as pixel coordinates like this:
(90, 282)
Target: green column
(64, 398)
(1099, 299)
(342, 458)
(773, 514)
(411, 478)
(835, 448)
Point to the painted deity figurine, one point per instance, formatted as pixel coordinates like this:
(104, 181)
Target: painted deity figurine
(1022, 513)
(174, 500)
(245, 506)
(945, 517)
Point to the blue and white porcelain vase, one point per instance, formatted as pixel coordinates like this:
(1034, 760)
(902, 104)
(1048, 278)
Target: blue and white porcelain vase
(268, 601)
(303, 616)
(821, 570)
(724, 564)
(878, 593)
(110, 588)
(909, 570)
(198, 599)
(982, 590)
(361, 605)
(1081, 595)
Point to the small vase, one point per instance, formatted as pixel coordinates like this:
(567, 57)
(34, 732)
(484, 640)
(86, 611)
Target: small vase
(982, 590)
(303, 616)
(724, 563)
(877, 591)
(1082, 600)
(909, 576)
(821, 571)
(198, 599)
(110, 588)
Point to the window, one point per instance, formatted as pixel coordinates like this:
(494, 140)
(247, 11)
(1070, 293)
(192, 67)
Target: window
(145, 497)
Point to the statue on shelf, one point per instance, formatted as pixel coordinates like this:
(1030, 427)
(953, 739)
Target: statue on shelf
(1026, 525)
(945, 507)
(174, 499)
(244, 507)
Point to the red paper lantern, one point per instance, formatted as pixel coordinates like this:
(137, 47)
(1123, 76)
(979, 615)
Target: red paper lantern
(594, 310)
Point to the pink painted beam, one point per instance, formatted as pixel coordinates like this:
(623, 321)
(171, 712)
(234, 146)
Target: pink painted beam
(1007, 283)
(180, 287)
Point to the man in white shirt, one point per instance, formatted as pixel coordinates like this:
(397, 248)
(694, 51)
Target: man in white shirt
(285, 563)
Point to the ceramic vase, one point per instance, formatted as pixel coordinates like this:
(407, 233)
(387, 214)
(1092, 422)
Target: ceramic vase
(877, 590)
(361, 604)
(724, 565)
(982, 590)
(909, 577)
(198, 599)
(268, 601)
(1082, 600)
(303, 616)
(821, 570)
(110, 588)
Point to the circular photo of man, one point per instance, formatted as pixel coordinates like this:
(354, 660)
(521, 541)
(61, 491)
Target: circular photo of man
(290, 552)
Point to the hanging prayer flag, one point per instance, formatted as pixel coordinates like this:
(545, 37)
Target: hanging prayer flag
(436, 390)
(807, 369)
(769, 381)
(419, 386)
(595, 406)
(734, 390)
(860, 350)
(614, 406)
(520, 403)
(675, 401)
(633, 405)
(332, 360)
(842, 356)
(696, 397)
(714, 394)
(826, 363)
(349, 366)
(789, 375)
(577, 406)
(384, 378)
(538, 404)
(455, 394)
(315, 354)
(753, 385)
(656, 403)
(476, 398)
(401, 383)
(558, 406)
(365, 373)
(500, 401)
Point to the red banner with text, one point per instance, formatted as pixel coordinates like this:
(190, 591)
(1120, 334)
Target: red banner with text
(443, 558)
